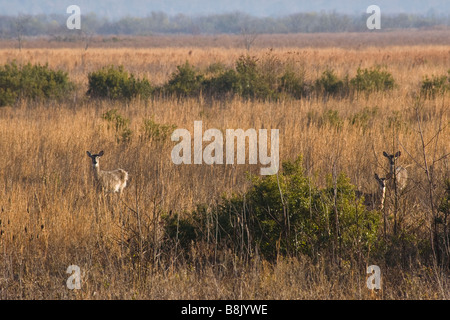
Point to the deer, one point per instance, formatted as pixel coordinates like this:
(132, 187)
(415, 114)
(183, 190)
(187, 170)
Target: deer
(108, 181)
(375, 201)
(398, 175)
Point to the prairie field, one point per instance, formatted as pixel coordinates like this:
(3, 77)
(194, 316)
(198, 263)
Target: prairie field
(52, 217)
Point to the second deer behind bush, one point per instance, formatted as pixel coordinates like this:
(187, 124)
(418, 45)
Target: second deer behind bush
(398, 175)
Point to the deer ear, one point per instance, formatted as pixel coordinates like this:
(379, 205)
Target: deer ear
(398, 154)
(88, 153)
(385, 154)
(101, 153)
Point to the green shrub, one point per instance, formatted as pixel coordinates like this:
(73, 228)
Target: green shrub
(186, 81)
(249, 80)
(156, 132)
(330, 84)
(293, 84)
(216, 68)
(329, 118)
(119, 124)
(188, 228)
(252, 83)
(442, 218)
(7, 96)
(444, 206)
(225, 83)
(364, 118)
(115, 83)
(288, 214)
(435, 85)
(358, 228)
(372, 80)
(32, 82)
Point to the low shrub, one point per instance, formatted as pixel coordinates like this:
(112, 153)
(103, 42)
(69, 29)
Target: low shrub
(365, 118)
(224, 84)
(330, 84)
(436, 85)
(293, 84)
(115, 83)
(32, 82)
(286, 214)
(157, 132)
(372, 80)
(119, 124)
(186, 81)
(252, 83)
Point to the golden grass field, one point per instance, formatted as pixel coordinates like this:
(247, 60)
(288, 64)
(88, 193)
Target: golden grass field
(51, 216)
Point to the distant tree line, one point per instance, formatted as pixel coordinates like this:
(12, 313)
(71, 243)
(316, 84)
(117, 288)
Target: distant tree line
(231, 23)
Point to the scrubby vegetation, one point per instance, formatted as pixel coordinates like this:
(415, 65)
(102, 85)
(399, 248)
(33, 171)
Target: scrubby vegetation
(251, 78)
(435, 86)
(371, 80)
(115, 83)
(285, 215)
(33, 82)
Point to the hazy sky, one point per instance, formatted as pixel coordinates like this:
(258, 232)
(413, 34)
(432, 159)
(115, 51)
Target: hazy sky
(118, 8)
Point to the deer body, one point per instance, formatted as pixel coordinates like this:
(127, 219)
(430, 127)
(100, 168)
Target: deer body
(375, 201)
(108, 181)
(398, 176)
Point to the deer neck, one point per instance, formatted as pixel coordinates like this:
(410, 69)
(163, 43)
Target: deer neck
(96, 168)
(392, 169)
(383, 196)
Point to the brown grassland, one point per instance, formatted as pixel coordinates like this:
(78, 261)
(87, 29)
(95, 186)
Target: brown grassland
(52, 218)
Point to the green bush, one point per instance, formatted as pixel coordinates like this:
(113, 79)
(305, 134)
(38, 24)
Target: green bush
(435, 85)
(444, 207)
(364, 118)
(185, 82)
(252, 83)
(154, 131)
(288, 214)
(372, 80)
(293, 84)
(330, 84)
(115, 83)
(32, 82)
(225, 83)
(216, 68)
(329, 117)
(187, 228)
(120, 125)
(247, 80)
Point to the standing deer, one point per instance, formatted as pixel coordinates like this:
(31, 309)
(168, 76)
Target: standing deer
(375, 201)
(108, 181)
(399, 175)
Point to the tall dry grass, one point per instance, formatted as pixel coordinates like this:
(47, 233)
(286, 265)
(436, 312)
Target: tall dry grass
(52, 218)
